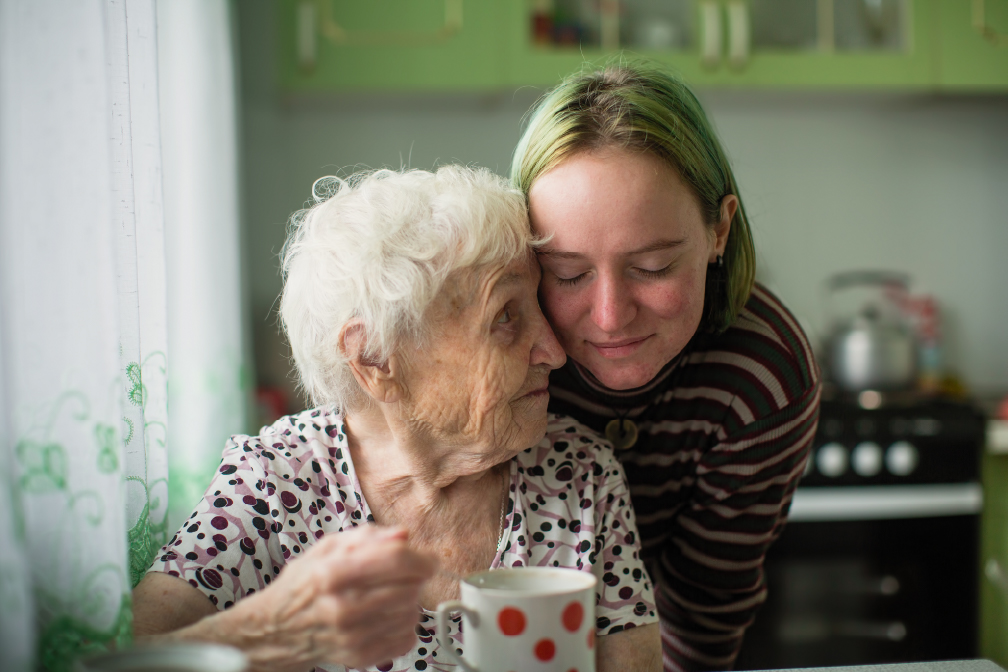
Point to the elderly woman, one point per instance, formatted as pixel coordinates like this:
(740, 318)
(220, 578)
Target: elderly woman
(410, 304)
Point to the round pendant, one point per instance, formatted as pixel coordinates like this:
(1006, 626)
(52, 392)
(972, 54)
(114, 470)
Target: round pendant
(621, 438)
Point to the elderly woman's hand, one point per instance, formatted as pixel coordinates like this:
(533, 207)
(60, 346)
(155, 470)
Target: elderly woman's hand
(351, 599)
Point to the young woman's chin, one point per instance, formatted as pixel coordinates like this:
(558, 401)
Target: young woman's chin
(622, 374)
(623, 379)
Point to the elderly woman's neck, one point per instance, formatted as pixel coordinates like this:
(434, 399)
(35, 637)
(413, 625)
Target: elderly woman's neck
(391, 455)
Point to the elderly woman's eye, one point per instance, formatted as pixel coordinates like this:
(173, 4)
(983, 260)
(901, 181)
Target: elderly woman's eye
(505, 316)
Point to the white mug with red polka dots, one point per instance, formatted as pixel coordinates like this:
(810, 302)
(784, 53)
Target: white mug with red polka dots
(524, 619)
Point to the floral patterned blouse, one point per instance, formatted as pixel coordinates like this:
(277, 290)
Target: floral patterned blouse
(276, 493)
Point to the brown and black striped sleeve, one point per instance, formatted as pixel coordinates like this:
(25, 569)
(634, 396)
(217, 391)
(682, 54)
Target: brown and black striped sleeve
(710, 568)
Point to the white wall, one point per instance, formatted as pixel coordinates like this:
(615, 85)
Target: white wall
(912, 183)
(832, 182)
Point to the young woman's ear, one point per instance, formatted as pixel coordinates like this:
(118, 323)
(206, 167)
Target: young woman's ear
(379, 380)
(729, 204)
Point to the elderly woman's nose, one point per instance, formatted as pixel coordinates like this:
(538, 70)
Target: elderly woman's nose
(613, 308)
(546, 348)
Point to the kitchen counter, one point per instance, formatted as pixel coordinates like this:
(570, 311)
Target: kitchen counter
(940, 666)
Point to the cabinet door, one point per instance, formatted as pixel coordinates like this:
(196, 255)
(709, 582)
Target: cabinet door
(786, 44)
(551, 39)
(994, 557)
(392, 45)
(973, 52)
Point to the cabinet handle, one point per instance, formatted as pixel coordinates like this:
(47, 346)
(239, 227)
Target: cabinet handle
(332, 31)
(738, 32)
(896, 631)
(825, 36)
(710, 42)
(996, 575)
(809, 629)
(980, 25)
(307, 46)
(609, 24)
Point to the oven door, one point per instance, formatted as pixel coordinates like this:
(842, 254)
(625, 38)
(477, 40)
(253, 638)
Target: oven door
(897, 583)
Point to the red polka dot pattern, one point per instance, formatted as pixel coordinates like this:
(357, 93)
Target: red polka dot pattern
(591, 639)
(545, 649)
(511, 621)
(573, 615)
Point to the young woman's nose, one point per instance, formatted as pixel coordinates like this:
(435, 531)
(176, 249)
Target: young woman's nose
(612, 306)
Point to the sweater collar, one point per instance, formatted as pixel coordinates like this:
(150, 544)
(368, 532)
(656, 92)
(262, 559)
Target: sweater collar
(624, 399)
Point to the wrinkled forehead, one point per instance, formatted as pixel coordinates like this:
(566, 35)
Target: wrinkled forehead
(477, 287)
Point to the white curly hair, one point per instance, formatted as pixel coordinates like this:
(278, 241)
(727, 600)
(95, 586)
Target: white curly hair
(380, 247)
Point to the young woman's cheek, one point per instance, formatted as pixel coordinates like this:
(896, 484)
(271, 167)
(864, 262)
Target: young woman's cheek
(671, 298)
(562, 308)
(678, 302)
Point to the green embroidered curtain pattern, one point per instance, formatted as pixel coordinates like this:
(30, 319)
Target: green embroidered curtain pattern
(91, 270)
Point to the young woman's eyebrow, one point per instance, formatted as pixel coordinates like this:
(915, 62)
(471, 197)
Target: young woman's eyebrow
(558, 254)
(659, 245)
(656, 246)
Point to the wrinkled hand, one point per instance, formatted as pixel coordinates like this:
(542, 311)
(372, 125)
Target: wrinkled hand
(351, 599)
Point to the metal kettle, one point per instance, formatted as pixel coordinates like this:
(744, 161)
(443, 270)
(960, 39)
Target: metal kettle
(874, 349)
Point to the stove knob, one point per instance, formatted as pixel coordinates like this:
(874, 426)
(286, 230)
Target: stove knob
(831, 460)
(927, 426)
(866, 427)
(902, 458)
(867, 458)
(899, 426)
(833, 428)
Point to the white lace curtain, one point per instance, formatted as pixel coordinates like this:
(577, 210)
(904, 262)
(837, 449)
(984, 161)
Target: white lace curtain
(118, 272)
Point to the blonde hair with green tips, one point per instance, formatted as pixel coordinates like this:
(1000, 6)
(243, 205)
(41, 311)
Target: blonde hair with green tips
(639, 106)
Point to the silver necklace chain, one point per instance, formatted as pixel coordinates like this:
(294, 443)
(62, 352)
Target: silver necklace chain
(504, 501)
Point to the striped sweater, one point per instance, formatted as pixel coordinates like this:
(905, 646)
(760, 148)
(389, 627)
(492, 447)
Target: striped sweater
(724, 431)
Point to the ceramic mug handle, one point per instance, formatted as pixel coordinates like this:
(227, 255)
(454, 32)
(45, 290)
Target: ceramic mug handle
(447, 646)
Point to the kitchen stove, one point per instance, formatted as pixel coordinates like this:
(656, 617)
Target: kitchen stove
(879, 560)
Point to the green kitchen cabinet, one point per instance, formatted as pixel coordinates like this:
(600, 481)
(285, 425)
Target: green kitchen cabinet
(820, 65)
(391, 45)
(484, 45)
(994, 561)
(973, 45)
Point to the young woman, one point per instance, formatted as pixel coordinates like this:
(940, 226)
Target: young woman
(702, 380)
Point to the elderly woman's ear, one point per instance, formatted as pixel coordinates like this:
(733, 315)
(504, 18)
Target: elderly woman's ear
(379, 380)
